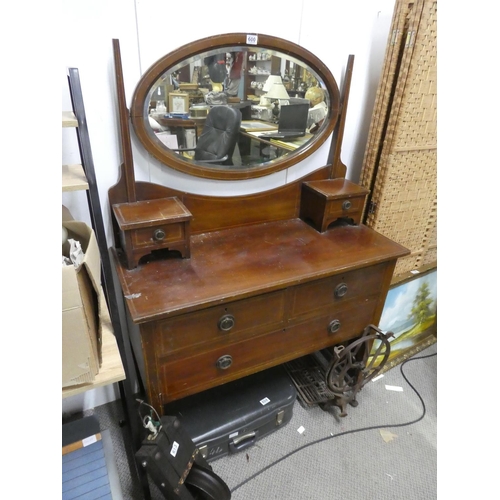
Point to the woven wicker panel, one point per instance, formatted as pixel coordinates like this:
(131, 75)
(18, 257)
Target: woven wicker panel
(405, 15)
(416, 125)
(401, 170)
(406, 264)
(406, 199)
(429, 255)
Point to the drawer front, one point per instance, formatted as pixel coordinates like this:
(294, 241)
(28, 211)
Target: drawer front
(226, 323)
(345, 207)
(160, 235)
(310, 298)
(184, 376)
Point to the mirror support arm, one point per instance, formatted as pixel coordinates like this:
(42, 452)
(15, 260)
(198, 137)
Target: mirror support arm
(128, 160)
(338, 168)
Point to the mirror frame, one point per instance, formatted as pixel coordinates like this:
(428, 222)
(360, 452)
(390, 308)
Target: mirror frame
(164, 155)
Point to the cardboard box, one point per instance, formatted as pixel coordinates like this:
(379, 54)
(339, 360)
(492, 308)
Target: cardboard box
(81, 326)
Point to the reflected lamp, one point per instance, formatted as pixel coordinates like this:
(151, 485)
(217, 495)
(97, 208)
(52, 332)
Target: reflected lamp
(271, 79)
(279, 94)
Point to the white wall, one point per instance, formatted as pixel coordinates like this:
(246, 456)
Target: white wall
(148, 29)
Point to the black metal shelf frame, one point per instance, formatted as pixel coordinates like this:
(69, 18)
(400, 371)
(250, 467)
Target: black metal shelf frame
(121, 334)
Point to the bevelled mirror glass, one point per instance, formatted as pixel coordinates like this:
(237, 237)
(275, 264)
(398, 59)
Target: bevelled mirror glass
(283, 104)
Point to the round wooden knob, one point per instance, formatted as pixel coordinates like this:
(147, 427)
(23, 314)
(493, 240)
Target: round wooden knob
(346, 205)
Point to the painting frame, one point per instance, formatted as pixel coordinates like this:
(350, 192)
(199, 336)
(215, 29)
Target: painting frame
(178, 102)
(410, 313)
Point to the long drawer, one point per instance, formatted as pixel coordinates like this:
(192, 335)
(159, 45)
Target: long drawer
(226, 323)
(181, 376)
(235, 321)
(311, 298)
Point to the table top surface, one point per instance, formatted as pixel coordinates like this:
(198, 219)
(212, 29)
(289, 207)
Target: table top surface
(240, 262)
(133, 215)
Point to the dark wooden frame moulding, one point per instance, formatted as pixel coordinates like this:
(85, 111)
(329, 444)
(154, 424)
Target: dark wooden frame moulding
(151, 76)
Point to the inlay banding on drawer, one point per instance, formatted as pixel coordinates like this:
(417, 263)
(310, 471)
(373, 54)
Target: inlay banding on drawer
(169, 233)
(228, 322)
(184, 375)
(311, 298)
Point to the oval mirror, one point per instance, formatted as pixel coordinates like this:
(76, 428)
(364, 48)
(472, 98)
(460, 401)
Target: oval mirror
(235, 106)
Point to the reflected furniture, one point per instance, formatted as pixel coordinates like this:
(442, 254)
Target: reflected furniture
(220, 133)
(267, 148)
(290, 145)
(264, 283)
(178, 126)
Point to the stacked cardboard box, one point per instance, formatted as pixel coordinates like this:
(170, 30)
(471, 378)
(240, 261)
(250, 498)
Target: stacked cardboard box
(81, 325)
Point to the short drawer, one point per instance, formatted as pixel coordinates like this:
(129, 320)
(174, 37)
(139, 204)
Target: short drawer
(161, 235)
(181, 377)
(227, 323)
(312, 297)
(344, 207)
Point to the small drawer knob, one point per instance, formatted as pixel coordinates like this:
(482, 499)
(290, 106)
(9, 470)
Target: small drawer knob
(224, 362)
(334, 326)
(340, 290)
(226, 322)
(159, 235)
(346, 205)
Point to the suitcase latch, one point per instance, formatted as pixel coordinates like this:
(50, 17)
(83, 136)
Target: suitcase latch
(279, 417)
(204, 451)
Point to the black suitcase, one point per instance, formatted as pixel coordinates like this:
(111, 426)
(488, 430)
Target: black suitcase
(232, 417)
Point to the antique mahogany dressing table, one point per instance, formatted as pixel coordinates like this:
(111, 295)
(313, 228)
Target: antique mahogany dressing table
(262, 284)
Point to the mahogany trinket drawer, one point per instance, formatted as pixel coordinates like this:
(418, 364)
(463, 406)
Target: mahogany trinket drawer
(325, 201)
(152, 225)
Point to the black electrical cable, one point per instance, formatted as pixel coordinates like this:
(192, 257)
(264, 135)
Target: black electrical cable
(374, 427)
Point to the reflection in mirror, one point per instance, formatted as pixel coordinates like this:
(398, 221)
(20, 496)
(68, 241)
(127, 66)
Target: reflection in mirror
(280, 105)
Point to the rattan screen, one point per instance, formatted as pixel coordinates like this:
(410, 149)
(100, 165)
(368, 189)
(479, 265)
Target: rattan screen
(400, 163)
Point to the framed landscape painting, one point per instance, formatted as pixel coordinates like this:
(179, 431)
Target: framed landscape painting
(410, 313)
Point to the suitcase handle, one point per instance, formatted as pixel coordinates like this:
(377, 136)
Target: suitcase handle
(241, 442)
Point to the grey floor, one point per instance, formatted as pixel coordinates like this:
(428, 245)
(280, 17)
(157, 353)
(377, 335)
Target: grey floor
(383, 449)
